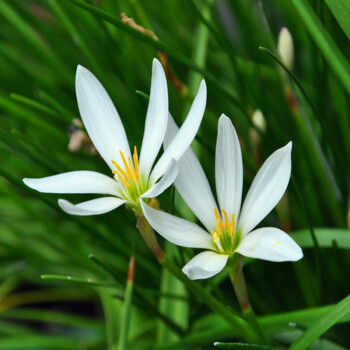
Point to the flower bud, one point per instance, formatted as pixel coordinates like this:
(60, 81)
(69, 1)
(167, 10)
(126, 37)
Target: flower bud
(258, 120)
(285, 48)
(259, 123)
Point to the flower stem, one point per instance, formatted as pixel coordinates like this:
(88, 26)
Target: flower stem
(125, 324)
(240, 288)
(149, 237)
(234, 320)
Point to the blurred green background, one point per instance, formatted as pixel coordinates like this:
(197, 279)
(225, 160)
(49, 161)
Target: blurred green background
(222, 41)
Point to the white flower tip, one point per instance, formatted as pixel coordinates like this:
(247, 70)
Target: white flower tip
(286, 150)
(189, 273)
(203, 86)
(63, 204)
(81, 70)
(62, 201)
(297, 255)
(201, 96)
(27, 182)
(32, 183)
(158, 71)
(82, 73)
(224, 119)
(156, 63)
(288, 146)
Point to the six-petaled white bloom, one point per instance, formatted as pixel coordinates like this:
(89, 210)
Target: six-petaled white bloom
(133, 178)
(230, 228)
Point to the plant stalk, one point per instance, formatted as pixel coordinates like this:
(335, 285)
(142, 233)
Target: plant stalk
(240, 288)
(238, 323)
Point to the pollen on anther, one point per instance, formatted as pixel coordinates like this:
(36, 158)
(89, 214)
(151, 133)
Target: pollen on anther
(226, 218)
(136, 162)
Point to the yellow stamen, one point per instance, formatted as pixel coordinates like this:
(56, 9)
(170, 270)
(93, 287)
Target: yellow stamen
(123, 181)
(230, 229)
(128, 171)
(219, 227)
(226, 218)
(120, 170)
(215, 236)
(219, 224)
(216, 214)
(136, 162)
(132, 171)
(224, 236)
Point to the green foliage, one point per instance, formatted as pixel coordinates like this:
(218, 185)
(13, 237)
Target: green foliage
(41, 44)
(341, 11)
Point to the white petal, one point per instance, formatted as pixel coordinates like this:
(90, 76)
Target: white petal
(270, 243)
(156, 119)
(166, 181)
(192, 183)
(205, 265)
(75, 182)
(186, 134)
(176, 230)
(267, 189)
(100, 117)
(228, 168)
(93, 207)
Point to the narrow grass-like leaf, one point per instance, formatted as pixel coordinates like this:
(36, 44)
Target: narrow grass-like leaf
(159, 45)
(337, 62)
(87, 282)
(33, 104)
(326, 238)
(341, 11)
(67, 319)
(322, 325)
(244, 346)
(126, 314)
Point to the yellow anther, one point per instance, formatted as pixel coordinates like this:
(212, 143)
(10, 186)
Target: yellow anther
(219, 226)
(226, 218)
(136, 162)
(224, 235)
(216, 214)
(120, 170)
(123, 181)
(129, 174)
(215, 236)
(132, 171)
(230, 229)
(128, 171)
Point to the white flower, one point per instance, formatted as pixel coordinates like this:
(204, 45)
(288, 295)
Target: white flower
(133, 178)
(231, 229)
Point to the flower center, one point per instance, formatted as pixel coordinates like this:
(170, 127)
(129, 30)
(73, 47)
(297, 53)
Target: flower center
(225, 238)
(132, 185)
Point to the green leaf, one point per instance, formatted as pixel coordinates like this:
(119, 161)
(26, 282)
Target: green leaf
(88, 282)
(341, 11)
(177, 310)
(322, 325)
(243, 346)
(171, 51)
(326, 238)
(126, 314)
(337, 62)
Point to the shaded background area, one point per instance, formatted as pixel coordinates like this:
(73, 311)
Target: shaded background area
(41, 44)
